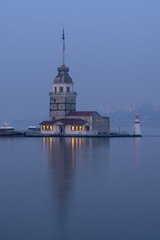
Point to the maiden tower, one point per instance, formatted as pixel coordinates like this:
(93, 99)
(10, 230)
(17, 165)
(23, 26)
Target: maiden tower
(62, 98)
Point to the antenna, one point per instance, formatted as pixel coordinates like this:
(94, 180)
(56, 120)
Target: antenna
(63, 38)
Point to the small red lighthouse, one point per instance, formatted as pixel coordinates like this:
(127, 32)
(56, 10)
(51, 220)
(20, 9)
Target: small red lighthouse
(137, 130)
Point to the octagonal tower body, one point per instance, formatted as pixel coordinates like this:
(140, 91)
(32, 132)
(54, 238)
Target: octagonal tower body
(63, 98)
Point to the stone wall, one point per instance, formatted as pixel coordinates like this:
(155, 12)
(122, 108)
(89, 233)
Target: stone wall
(100, 124)
(61, 105)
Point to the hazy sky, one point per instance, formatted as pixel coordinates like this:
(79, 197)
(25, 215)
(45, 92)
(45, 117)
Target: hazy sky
(112, 50)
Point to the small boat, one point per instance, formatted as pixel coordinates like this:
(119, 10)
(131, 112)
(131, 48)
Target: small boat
(7, 130)
(33, 128)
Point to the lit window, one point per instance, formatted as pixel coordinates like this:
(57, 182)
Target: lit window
(76, 128)
(72, 128)
(47, 127)
(43, 127)
(80, 128)
(51, 128)
(87, 119)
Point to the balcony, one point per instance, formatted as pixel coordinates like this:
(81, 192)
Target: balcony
(62, 93)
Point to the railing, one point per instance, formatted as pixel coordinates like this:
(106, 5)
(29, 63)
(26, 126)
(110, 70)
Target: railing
(62, 93)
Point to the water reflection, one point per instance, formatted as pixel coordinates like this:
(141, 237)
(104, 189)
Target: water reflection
(137, 146)
(66, 157)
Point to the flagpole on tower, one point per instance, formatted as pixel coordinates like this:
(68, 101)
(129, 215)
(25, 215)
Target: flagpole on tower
(63, 38)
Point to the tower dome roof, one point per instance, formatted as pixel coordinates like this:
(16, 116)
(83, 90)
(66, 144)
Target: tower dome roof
(63, 75)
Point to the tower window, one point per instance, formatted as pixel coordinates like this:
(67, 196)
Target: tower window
(68, 89)
(61, 89)
(55, 89)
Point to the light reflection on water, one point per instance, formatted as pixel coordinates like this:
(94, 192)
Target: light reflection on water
(79, 188)
(66, 157)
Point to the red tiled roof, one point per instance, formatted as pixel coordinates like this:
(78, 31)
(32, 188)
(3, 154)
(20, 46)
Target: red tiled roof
(65, 121)
(71, 121)
(49, 123)
(80, 113)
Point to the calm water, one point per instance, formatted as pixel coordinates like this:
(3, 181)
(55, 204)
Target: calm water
(52, 188)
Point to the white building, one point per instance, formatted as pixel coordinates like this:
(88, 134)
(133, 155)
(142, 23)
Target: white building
(77, 123)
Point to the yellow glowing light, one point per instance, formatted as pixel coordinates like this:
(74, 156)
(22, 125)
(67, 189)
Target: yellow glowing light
(80, 143)
(80, 128)
(72, 128)
(72, 152)
(51, 127)
(76, 128)
(50, 140)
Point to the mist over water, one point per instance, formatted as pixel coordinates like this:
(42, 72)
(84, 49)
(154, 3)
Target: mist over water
(112, 52)
(79, 188)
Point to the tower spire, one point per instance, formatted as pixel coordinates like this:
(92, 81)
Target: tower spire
(63, 38)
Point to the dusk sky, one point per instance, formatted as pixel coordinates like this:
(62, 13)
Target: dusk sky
(112, 49)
